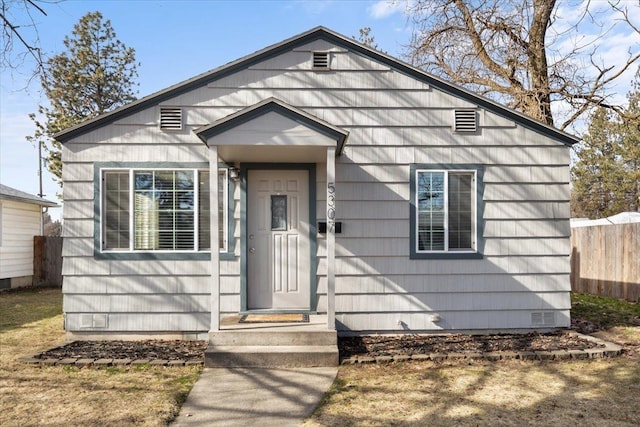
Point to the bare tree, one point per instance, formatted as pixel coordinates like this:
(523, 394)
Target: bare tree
(51, 227)
(522, 52)
(20, 39)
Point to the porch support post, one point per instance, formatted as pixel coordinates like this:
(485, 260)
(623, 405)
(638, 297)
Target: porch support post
(331, 238)
(214, 245)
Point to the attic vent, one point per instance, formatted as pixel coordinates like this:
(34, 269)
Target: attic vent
(543, 318)
(321, 60)
(170, 118)
(465, 121)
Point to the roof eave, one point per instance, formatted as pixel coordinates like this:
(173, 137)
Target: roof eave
(303, 38)
(43, 202)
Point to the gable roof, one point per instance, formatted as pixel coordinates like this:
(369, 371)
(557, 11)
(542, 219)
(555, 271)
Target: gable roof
(299, 40)
(274, 105)
(10, 193)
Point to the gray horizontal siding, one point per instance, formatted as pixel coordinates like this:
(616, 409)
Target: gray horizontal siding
(354, 266)
(158, 284)
(493, 210)
(394, 121)
(399, 246)
(385, 173)
(445, 283)
(74, 266)
(459, 320)
(78, 209)
(507, 156)
(442, 302)
(275, 79)
(137, 303)
(121, 151)
(144, 322)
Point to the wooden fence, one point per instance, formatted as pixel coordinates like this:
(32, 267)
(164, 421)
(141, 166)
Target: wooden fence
(605, 260)
(47, 261)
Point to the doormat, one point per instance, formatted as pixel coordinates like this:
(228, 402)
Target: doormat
(275, 318)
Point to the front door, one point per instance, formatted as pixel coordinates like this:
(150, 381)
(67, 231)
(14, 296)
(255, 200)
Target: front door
(278, 249)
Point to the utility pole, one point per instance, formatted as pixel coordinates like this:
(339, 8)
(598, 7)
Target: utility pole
(43, 209)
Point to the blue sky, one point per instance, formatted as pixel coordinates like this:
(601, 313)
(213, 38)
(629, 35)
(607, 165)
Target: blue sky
(175, 40)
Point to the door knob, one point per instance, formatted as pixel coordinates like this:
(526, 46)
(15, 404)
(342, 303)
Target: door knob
(252, 250)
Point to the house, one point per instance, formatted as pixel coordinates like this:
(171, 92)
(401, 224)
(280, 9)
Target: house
(20, 220)
(328, 178)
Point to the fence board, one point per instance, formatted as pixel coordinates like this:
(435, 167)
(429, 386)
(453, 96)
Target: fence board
(605, 260)
(47, 261)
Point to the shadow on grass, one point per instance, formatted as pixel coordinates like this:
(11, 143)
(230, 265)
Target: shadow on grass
(24, 306)
(604, 312)
(519, 393)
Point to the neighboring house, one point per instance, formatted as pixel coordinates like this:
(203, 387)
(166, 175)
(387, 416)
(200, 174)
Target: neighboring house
(331, 178)
(20, 220)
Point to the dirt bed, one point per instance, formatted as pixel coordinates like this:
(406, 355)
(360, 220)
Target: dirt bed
(390, 345)
(369, 346)
(372, 346)
(133, 350)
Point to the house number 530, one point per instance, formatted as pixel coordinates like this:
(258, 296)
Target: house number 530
(331, 206)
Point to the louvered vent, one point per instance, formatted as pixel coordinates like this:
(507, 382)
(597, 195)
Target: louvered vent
(543, 318)
(321, 60)
(170, 118)
(465, 121)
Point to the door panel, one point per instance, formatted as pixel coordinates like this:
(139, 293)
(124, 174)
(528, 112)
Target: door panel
(278, 255)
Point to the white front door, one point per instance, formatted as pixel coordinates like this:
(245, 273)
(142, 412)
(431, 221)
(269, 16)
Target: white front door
(278, 249)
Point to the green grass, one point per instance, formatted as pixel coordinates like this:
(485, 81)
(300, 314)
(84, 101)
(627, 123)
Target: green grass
(31, 321)
(20, 307)
(603, 311)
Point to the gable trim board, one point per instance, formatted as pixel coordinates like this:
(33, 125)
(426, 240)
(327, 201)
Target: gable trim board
(292, 43)
(275, 115)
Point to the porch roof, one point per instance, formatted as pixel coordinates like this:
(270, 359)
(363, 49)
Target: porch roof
(272, 130)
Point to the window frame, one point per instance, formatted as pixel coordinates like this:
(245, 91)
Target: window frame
(477, 212)
(226, 252)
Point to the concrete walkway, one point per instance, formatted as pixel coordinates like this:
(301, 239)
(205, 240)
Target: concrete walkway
(255, 396)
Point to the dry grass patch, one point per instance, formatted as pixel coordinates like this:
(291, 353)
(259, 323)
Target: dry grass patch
(598, 392)
(30, 322)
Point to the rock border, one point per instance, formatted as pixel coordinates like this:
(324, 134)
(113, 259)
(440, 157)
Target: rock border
(102, 363)
(606, 349)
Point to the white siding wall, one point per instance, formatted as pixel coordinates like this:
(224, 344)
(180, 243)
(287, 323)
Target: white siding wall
(19, 222)
(394, 121)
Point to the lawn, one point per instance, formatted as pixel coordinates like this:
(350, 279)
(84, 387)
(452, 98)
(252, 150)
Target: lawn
(30, 321)
(601, 392)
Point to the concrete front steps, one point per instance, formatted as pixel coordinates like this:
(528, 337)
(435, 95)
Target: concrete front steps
(272, 347)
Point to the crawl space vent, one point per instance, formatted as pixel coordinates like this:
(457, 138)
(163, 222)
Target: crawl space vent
(465, 121)
(543, 318)
(321, 60)
(171, 118)
(93, 320)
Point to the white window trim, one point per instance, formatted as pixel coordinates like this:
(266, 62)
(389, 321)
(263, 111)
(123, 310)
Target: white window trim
(474, 216)
(131, 171)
